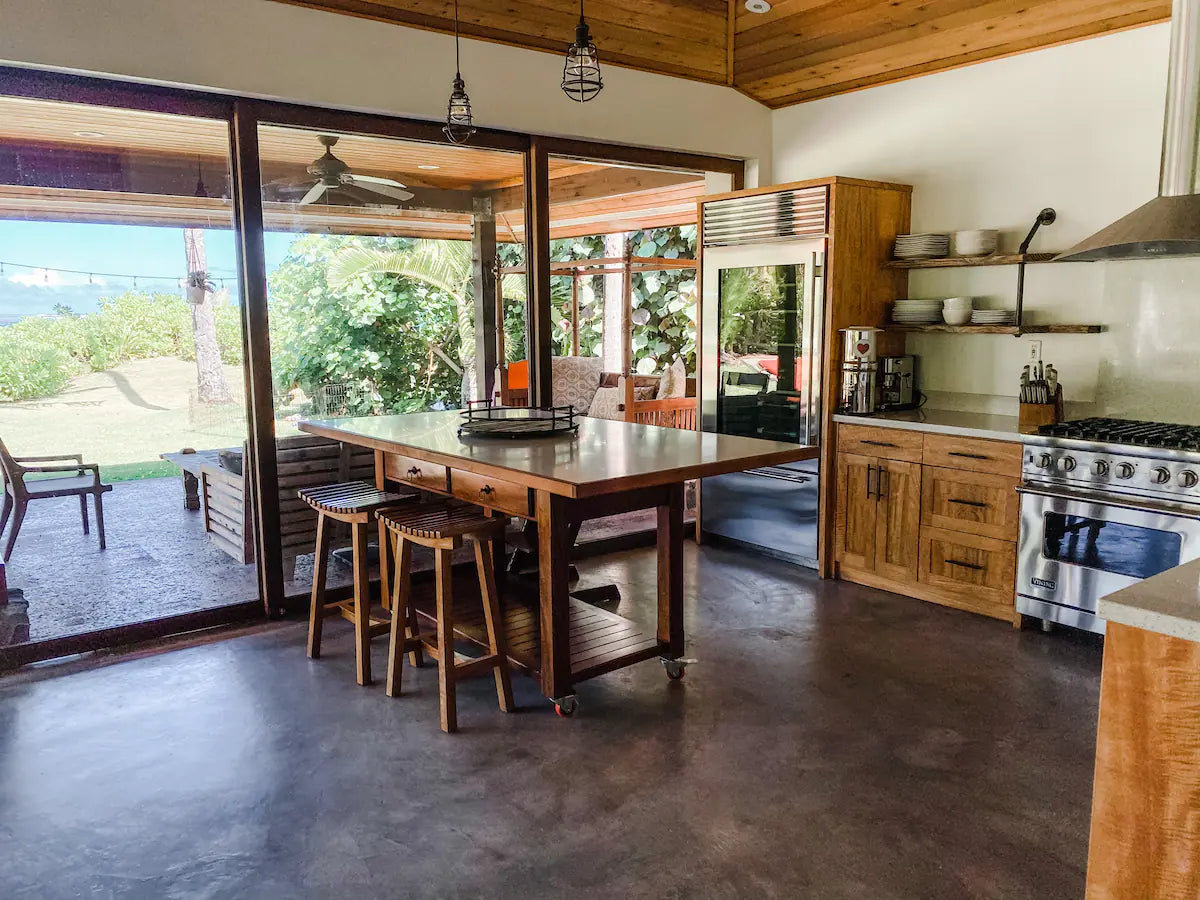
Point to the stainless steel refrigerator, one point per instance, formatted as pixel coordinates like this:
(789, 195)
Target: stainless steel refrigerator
(761, 338)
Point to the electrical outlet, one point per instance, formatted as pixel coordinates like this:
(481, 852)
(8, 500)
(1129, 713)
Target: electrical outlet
(1035, 351)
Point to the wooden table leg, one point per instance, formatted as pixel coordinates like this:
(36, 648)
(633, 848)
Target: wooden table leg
(670, 572)
(554, 554)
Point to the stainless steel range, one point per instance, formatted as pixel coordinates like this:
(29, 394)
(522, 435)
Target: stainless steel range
(1105, 503)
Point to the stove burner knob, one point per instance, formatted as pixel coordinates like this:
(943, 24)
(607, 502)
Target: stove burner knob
(1188, 478)
(1100, 468)
(1125, 470)
(1160, 475)
(1045, 461)
(1068, 463)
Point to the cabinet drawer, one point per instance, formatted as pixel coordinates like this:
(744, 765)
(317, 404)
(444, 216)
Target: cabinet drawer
(970, 501)
(491, 493)
(885, 443)
(980, 570)
(417, 472)
(973, 454)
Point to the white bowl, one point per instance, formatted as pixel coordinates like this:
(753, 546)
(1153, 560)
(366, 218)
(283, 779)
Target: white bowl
(980, 242)
(958, 302)
(957, 317)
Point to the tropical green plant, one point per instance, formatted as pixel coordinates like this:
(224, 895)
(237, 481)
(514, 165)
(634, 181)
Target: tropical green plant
(664, 302)
(382, 336)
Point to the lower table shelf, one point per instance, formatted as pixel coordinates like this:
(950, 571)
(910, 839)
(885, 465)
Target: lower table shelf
(601, 641)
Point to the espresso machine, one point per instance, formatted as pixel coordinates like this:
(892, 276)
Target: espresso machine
(898, 382)
(860, 371)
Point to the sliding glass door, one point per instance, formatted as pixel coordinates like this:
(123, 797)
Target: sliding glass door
(122, 389)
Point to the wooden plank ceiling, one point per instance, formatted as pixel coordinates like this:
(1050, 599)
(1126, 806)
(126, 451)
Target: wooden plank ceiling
(800, 50)
(75, 162)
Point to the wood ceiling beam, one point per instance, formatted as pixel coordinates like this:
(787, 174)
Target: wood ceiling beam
(598, 184)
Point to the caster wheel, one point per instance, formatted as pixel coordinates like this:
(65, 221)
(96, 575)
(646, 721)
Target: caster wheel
(675, 669)
(566, 707)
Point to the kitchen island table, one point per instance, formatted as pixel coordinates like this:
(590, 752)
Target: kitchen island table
(557, 482)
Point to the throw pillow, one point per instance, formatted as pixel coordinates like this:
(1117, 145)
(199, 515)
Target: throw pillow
(606, 403)
(674, 381)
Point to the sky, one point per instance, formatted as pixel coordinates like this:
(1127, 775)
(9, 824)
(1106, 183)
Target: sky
(30, 252)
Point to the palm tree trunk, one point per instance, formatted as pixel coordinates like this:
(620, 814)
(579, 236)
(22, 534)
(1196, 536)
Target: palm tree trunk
(210, 377)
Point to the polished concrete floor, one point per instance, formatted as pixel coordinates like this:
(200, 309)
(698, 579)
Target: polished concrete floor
(829, 742)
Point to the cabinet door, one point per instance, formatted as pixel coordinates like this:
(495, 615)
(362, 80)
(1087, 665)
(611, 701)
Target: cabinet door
(854, 534)
(972, 571)
(898, 520)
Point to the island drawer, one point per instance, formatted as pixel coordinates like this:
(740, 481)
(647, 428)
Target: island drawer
(420, 474)
(884, 443)
(492, 493)
(973, 454)
(974, 502)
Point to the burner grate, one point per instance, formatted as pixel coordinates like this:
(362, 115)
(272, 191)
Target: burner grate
(1162, 435)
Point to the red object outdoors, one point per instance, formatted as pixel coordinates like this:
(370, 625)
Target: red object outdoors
(518, 375)
(770, 365)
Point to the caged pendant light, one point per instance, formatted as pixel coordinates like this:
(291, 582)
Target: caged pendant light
(581, 72)
(459, 127)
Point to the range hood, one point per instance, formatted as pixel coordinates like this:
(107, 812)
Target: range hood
(1169, 225)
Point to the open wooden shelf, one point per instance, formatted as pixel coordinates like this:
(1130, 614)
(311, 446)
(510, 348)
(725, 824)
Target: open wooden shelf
(956, 262)
(996, 329)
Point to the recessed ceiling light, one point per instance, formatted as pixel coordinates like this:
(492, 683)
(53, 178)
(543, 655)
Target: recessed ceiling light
(88, 134)
(758, 6)
(428, 168)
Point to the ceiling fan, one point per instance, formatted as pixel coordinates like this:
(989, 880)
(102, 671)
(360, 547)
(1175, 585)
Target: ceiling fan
(334, 179)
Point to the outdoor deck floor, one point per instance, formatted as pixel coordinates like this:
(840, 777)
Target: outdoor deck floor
(831, 742)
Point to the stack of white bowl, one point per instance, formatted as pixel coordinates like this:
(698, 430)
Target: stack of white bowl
(917, 312)
(981, 242)
(957, 310)
(922, 246)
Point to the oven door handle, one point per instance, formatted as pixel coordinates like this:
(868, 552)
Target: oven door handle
(1116, 501)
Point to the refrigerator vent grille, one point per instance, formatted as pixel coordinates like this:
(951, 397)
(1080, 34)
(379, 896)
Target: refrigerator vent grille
(763, 218)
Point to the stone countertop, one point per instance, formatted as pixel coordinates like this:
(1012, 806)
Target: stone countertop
(942, 421)
(1168, 603)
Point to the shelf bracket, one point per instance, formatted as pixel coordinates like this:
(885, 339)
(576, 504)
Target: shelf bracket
(1045, 217)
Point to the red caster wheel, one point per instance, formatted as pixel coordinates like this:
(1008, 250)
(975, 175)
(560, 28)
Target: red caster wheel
(675, 669)
(566, 707)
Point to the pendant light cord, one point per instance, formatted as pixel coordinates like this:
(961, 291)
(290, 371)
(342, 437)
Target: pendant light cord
(457, 63)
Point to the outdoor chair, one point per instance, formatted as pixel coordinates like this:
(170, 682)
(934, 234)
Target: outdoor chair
(70, 480)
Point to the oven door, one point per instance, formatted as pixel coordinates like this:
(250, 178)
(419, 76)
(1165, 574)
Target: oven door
(1075, 550)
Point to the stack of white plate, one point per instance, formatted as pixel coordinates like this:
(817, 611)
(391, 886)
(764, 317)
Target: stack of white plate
(922, 246)
(993, 317)
(917, 312)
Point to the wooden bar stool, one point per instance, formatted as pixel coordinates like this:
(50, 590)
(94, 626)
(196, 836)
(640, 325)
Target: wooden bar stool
(353, 503)
(442, 527)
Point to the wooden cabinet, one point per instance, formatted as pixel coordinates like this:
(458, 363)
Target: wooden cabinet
(878, 516)
(929, 515)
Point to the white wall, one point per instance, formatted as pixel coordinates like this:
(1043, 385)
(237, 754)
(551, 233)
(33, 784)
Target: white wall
(1076, 127)
(284, 52)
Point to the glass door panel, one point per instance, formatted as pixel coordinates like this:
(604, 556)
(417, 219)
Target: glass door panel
(122, 391)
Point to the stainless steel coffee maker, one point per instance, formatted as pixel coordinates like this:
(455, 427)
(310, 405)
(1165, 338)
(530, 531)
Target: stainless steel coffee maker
(860, 371)
(898, 383)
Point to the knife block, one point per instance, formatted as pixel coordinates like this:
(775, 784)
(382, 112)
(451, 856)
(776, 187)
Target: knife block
(1033, 416)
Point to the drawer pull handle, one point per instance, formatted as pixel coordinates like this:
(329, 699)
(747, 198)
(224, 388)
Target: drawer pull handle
(968, 455)
(975, 503)
(877, 443)
(965, 565)
(414, 472)
(487, 490)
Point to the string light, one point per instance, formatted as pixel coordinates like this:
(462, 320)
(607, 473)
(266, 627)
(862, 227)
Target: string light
(91, 276)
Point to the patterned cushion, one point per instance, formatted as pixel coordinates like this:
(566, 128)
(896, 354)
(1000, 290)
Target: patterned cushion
(674, 382)
(606, 403)
(576, 380)
(644, 393)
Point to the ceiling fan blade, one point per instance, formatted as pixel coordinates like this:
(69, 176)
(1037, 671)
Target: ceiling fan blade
(382, 190)
(315, 194)
(371, 179)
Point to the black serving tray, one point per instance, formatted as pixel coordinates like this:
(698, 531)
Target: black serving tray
(483, 419)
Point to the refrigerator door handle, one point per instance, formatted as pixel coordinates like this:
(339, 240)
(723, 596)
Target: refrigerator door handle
(814, 317)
